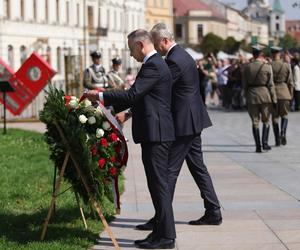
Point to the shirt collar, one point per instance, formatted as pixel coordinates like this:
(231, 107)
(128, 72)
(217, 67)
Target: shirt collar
(149, 55)
(170, 49)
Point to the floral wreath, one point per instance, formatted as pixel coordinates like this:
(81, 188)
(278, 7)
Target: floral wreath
(94, 137)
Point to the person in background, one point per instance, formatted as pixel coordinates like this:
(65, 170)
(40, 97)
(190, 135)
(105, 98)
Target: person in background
(115, 80)
(296, 78)
(282, 78)
(260, 94)
(202, 75)
(129, 79)
(94, 76)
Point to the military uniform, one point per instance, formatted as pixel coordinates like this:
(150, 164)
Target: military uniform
(260, 94)
(114, 78)
(282, 77)
(94, 76)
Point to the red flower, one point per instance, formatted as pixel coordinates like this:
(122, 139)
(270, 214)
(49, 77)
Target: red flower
(113, 137)
(113, 159)
(103, 142)
(118, 148)
(101, 162)
(67, 99)
(113, 171)
(94, 150)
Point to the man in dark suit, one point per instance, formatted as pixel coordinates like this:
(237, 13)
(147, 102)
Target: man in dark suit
(190, 118)
(152, 127)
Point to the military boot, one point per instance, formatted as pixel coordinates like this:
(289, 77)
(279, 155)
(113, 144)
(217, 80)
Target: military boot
(256, 139)
(284, 123)
(265, 137)
(276, 133)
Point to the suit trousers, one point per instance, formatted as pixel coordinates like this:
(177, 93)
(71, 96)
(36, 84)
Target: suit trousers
(189, 148)
(155, 160)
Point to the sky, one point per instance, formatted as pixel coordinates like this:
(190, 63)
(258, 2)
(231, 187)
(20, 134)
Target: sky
(290, 11)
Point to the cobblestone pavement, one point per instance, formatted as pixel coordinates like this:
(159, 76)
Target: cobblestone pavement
(259, 193)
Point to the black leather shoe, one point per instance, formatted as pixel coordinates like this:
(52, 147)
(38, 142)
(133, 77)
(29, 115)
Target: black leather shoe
(148, 226)
(149, 238)
(207, 219)
(158, 243)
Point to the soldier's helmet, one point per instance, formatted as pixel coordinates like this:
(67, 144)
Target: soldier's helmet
(116, 61)
(96, 54)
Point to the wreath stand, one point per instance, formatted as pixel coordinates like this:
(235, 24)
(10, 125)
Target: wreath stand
(94, 202)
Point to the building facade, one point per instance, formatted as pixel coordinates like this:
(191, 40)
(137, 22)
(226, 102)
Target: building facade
(158, 11)
(64, 32)
(293, 28)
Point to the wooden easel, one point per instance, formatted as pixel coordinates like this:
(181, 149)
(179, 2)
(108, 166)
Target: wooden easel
(94, 202)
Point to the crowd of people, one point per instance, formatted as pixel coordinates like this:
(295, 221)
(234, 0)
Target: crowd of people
(221, 80)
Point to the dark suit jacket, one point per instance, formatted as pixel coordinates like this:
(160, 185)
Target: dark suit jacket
(150, 102)
(189, 113)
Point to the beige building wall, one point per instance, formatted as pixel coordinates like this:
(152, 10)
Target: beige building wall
(208, 26)
(237, 24)
(158, 11)
(260, 30)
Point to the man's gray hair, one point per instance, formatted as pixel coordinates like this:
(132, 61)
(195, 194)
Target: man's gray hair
(162, 31)
(140, 35)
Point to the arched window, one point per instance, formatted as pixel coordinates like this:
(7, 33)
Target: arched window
(23, 54)
(10, 56)
(58, 59)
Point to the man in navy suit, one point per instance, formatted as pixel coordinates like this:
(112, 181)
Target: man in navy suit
(190, 118)
(152, 127)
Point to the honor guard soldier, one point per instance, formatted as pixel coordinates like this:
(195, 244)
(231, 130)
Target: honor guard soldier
(282, 78)
(114, 79)
(94, 76)
(260, 94)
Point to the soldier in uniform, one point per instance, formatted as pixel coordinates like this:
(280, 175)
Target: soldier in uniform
(114, 79)
(282, 78)
(260, 94)
(94, 76)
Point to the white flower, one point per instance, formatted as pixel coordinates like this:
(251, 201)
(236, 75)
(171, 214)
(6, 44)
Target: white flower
(87, 103)
(73, 103)
(106, 125)
(91, 120)
(74, 98)
(83, 119)
(98, 111)
(99, 132)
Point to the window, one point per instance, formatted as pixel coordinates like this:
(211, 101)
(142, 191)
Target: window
(7, 8)
(34, 10)
(115, 20)
(78, 14)
(90, 17)
(46, 10)
(200, 32)
(277, 26)
(10, 56)
(178, 31)
(23, 54)
(22, 9)
(67, 12)
(58, 60)
(107, 18)
(57, 10)
(277, 17)
(48, 54)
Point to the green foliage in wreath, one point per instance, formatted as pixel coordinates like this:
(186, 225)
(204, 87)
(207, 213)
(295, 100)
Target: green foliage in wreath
(90, 138)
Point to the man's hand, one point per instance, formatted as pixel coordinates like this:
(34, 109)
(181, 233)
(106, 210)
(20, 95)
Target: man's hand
(121, 117)
(92, 95)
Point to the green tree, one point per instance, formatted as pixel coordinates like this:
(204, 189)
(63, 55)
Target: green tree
(211, 43)
(288, 42)
(231, 45)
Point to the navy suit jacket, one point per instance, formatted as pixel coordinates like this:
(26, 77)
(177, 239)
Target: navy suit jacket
(150, 101)
(189, 113)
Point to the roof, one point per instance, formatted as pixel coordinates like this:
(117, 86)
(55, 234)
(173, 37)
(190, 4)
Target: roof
(277, 6)
(182, 7)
